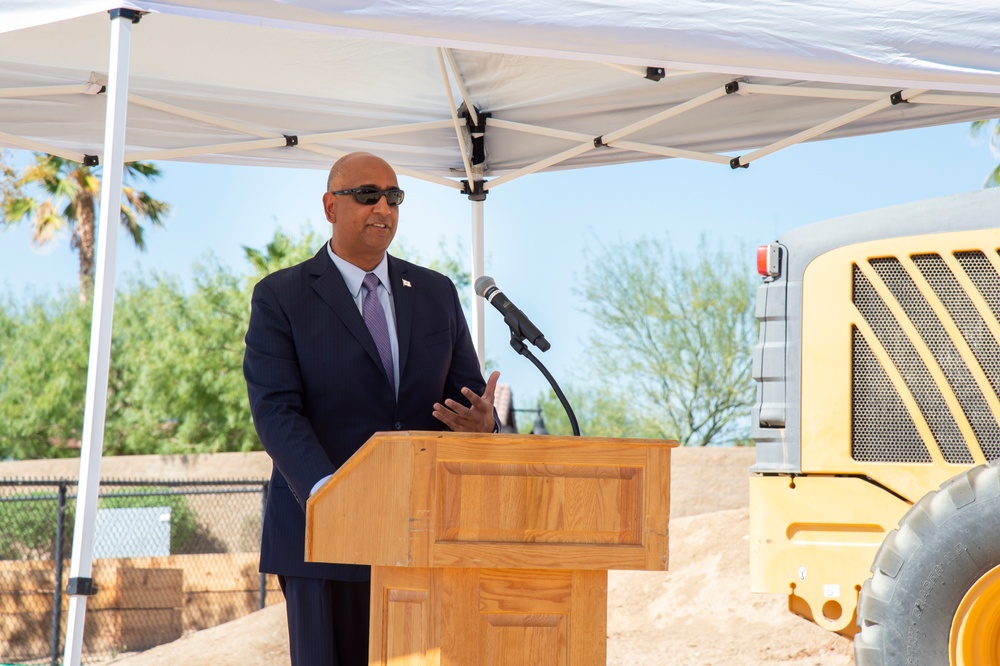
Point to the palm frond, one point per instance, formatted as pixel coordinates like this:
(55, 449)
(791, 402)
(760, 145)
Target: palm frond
(18, 208)
(147, 170)
(46, 223)
(993, 180)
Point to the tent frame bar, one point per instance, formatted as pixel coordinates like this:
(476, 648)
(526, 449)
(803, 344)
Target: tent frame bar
(653, 149)
(867, 110)
(281, 141)
(81, 562)
(456, 123)
(46, 91)
(269, 139)
(463, 91)
(304, 141)
(607, 139)
(38, 146)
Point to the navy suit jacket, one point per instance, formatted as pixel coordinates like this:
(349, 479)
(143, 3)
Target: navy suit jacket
(318, 391)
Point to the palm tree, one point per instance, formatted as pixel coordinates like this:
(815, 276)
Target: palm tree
(978, 128)
(71, 190)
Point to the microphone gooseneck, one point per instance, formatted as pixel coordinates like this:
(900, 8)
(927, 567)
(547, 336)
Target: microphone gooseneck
(521, 328)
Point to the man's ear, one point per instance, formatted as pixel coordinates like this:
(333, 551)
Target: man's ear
(328, 207)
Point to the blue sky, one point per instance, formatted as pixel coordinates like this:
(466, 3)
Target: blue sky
(539, 228)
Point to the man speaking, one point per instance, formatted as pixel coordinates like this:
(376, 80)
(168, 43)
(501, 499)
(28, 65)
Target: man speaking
(348, 343)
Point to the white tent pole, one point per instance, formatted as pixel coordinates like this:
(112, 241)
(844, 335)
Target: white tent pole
(81, 583)
(478, 268)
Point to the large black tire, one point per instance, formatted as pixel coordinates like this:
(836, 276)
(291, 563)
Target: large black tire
(923, 570)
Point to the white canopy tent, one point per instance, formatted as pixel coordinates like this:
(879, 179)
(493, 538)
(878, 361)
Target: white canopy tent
(469, 95)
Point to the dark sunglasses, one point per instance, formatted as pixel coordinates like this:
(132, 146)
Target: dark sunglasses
(369, 196)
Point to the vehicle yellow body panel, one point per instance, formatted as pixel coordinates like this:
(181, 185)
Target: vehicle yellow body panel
(829, 319)
(814, 539)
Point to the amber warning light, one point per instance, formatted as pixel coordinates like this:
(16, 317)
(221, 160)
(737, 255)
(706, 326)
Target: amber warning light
(769, 260)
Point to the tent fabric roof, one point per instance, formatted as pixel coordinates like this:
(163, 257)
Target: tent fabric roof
(227, 80)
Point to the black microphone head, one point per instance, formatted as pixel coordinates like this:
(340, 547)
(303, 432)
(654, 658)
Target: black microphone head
(483, 284)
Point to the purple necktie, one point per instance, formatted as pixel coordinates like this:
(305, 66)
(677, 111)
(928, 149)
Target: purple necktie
(375, 320)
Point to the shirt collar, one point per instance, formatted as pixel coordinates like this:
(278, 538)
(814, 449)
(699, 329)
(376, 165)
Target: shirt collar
(354, 276)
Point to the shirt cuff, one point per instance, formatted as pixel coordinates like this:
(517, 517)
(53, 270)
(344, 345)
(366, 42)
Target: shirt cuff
(319, 484)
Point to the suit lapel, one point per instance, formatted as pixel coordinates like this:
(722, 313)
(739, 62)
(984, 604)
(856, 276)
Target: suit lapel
(330, 286)
(402, 297)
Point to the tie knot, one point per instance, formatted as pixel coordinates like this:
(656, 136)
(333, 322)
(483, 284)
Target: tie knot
(370, 282)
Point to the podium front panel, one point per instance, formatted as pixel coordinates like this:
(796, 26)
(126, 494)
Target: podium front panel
(488, 617)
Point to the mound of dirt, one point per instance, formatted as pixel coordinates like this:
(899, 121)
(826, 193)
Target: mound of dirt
(702, 612)
(699, 613)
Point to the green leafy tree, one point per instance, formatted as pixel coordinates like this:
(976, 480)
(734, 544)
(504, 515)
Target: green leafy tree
(43, 375)
(68, 199)
(599, 413)
(176, 381)
(981, 127)
(671, 357)
(282, 251)
(28, 526)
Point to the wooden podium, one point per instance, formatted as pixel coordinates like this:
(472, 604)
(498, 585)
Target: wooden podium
(493, 549)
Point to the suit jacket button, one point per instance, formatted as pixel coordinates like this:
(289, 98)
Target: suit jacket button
(398, 425)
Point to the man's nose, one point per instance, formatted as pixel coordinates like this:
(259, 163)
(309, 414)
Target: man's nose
(382, 206)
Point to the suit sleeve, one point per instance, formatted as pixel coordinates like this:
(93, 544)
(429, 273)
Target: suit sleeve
(274, 386)
(464, 370)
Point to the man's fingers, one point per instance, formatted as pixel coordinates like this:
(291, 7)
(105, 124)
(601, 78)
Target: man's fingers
(444, 417)
(486, 399)
(491, 386)
(476, 418)
(458, 408)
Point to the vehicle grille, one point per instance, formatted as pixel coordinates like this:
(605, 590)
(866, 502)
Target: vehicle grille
(909, 314)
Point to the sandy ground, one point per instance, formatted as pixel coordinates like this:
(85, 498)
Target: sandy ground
(699, 613)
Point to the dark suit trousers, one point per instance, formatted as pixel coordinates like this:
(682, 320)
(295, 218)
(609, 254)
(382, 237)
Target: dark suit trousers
(327, 621)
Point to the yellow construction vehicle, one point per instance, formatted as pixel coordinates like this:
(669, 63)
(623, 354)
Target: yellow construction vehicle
(875, 496)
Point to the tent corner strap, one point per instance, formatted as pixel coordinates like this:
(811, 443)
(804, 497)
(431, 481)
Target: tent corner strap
(655, 73)
(476, 192)
(132, 15)
(477, 135)
(81, 587)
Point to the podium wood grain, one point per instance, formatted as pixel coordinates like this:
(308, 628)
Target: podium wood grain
(493, 549)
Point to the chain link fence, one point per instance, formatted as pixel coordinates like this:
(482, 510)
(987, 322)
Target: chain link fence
(170, 558)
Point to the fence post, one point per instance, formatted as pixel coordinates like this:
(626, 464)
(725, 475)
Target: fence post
(263, 576)
(57, 594)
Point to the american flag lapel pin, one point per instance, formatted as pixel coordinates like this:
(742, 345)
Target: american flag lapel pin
(406, 283)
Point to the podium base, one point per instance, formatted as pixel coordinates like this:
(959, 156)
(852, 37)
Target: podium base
(489, 617)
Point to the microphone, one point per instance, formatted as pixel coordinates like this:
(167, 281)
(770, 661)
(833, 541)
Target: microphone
(519, 324)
